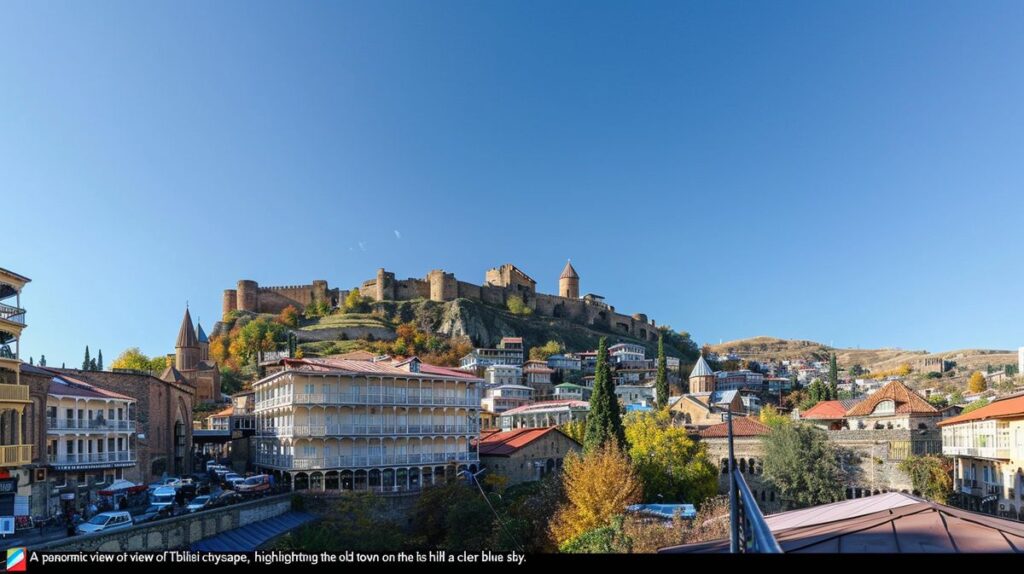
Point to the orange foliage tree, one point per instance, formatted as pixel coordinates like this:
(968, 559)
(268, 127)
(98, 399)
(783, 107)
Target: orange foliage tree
(598, 486)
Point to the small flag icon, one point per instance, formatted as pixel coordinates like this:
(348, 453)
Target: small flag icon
(16, 559)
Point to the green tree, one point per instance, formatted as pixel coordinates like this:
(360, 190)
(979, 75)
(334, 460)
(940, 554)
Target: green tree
(771, 416)
(355, 302)
(87, 361)
(92, 364)
(661, 381)
(31, 361)
(99, 360)
(803, 466)
(938, 401)
(956, 397)
(930, 475)
(543, 352)
(604, 421)
(42, 360)
(833, 378)
(975, 405)
(517, 306)
(670, 465)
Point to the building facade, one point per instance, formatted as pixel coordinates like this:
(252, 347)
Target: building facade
(508, 352)
(525, 455)
(505, 397)
(327, 424)
(503, 375)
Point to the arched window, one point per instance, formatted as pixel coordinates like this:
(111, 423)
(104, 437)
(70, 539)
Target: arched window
(886, 407)
(743, 465)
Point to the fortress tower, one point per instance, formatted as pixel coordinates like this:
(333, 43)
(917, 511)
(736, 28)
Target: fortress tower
(569, 282)
(702, 378)
(186, 349)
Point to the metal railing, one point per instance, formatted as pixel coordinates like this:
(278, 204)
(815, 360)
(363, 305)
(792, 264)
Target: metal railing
(93, 425)
(12, 314)
(366, 399)
(373, 430)
(748, 533)
(93, 457)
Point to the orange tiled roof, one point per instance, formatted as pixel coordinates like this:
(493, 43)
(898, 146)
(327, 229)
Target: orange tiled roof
(507, 442)
(1011, 407)
(741, 426)
(829, 409)
(907, 401)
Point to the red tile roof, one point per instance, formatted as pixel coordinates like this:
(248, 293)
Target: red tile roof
(370, 368)
(830, 409)
(907, 401)
(508, 442)
(741, 426)
(1004, 408)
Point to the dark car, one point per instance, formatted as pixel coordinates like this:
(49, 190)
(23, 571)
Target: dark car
(155, 513)
(226, 498)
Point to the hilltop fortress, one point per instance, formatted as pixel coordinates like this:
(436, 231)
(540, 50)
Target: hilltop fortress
(500, 283)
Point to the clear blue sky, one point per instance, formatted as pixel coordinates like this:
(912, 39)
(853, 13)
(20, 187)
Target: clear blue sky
(849, 172)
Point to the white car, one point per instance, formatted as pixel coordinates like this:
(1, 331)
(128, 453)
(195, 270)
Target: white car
(106, 522)
(163, 496)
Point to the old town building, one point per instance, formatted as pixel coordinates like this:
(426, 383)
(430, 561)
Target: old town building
(525, 455)
(330, 424)
(191, 363)
(747, 434)
(987, 448)
(544, 414)
(15, 408)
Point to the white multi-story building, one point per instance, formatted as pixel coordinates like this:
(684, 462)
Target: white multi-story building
(335, 424)
(508, 352)
(503, 375)
(89, 429)
(505, 397)
(626, 353)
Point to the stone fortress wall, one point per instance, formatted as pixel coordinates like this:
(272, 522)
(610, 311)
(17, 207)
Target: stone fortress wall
(500, 283)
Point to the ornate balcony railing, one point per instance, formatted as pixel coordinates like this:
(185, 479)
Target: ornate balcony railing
(94, 459)
(14, 393)
(12, 314)
(374, 399)
(15, 455)
(336, 430)
(291, 462)
(87, 425)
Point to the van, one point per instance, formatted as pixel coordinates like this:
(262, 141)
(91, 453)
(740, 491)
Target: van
(259, 484)
(105, 522)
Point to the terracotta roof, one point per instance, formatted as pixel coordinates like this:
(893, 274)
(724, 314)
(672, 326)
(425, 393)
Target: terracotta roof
(741, 426)
(187, 333)
(508, 442)
(354, 356)
(907, 401)
(829, 410)
(1004, 408)
(568, 272)
(65, 385)
(370, 368)
(918, 527)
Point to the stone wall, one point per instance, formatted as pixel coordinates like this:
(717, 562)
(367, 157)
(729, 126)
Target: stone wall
(174, 533)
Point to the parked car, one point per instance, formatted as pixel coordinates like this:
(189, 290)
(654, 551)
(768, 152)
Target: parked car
(199, 503)
(155, 512)
(106, 522)
(256, 485)
(163, 496)
(232, 479)
(226, 498)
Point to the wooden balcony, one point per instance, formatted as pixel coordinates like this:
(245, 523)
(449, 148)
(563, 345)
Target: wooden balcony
(13, 393)
(15, 455)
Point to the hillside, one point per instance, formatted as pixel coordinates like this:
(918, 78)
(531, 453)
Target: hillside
(765, 348)
(484, 325)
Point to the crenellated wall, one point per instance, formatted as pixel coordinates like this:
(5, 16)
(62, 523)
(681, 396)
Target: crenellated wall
(249, 296)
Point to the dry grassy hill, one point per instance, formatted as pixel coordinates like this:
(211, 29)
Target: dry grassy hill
(765, 348)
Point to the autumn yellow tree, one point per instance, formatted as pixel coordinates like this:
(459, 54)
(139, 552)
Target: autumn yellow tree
(976, 383)
(669, 464)
(136, 360)
(542, 353)
(289, 317)
(598, 486)
(771, 416)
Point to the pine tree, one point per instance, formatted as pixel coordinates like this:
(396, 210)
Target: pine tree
(99, 361)
(92, 365)
(833, 378)
(42, 360)
(85, 362)
(604, 422)
(661, 382)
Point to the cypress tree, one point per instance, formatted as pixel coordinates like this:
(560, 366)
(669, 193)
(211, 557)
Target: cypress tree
(661, 382)
(99, 361)
(86, 361)
(92, 365)
(31, 361)
(833, 378)
(604, 422)
(42, 360)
